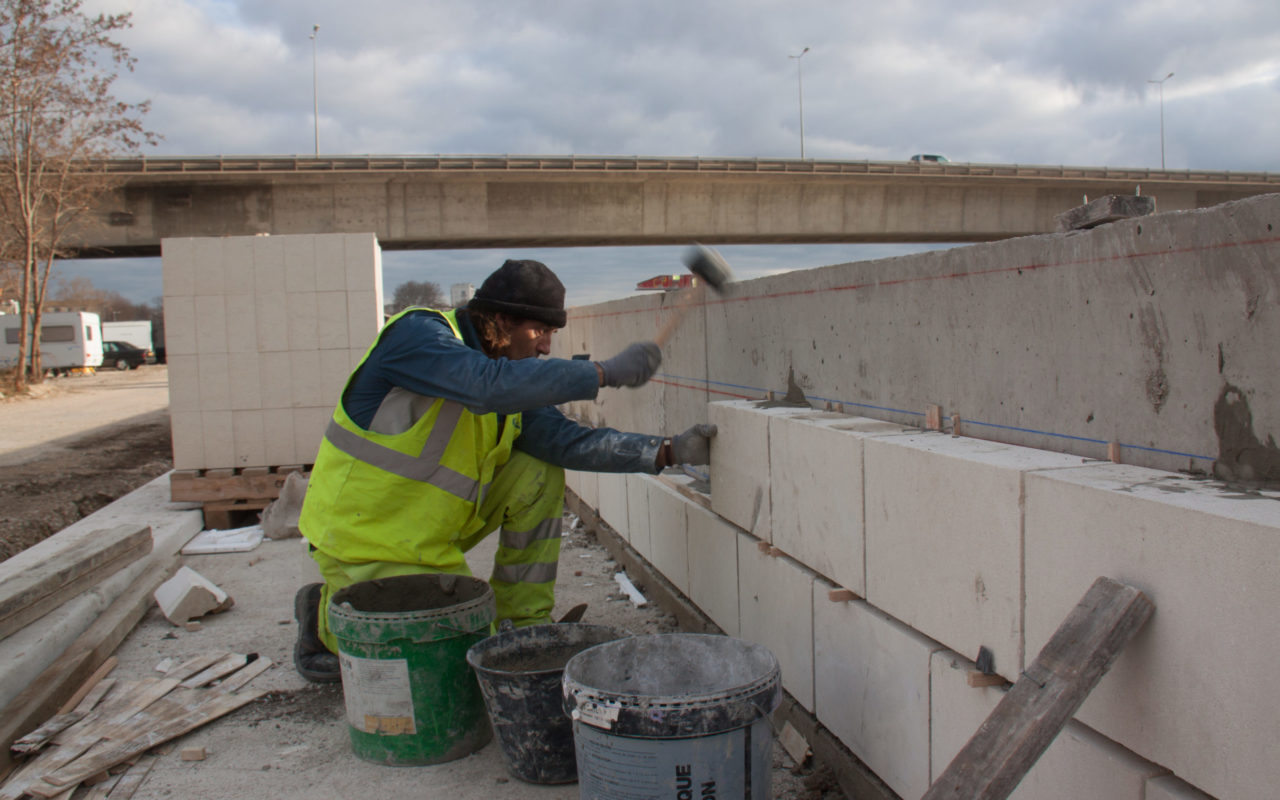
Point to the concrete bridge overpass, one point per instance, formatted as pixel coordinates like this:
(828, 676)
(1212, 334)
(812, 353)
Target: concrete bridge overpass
(448, 202)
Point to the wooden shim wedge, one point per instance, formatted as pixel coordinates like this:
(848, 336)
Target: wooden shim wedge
(1032, 713)
(42, 698)
(29, 595)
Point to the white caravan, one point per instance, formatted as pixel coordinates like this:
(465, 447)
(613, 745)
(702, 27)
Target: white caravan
(68, 340)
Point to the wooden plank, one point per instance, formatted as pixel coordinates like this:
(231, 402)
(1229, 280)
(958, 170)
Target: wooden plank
(242, 677)
(1031, 714)
(195, 664)
(216, 705)
(132, 778)
(95, 694)
(225, 666)
(89, 686)
(225, 485)
(30, 594)
(42, 698)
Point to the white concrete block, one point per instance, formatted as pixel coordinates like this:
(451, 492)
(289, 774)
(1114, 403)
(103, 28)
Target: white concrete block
(219, 440)
(180, 325)
(211, 323)
(250, 446)
(331, 264)
(364, 318)
(1079, 763)
(238, 270)
(275, 374)
(713, 560)
(332, 321)
(638, 514)
(187, 431)
(308, 429)
(271, 319)
(177, 267)
(571, 481)
(589, 488)
(613, 501)
(303, 320)
(946, 513)
(242, 323)
(1197, 672)
(775, 609)
(268, 265)
(277, 437)
(306, 386)
(184, 383)
(334, 371)
(244, 371)
(215, 378)
(669, 533)
(210, 269)
(815, 490)
(1171, 787)
(300, 264)
(363, 262)
(872, 688)
(740, 464)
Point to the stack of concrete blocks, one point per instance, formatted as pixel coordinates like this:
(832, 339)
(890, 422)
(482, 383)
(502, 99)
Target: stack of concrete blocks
(947, 543)
(261, 334)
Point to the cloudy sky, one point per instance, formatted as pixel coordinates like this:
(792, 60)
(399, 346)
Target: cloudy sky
(982, 81)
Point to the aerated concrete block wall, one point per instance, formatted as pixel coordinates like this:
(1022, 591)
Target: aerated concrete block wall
(261, 333)
(988, 536)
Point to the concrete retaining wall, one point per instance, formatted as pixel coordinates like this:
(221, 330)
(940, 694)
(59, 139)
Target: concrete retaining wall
(989, 538)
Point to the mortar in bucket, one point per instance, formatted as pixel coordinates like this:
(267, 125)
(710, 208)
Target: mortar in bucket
(410, 696)
(673, 715)
(520, 673)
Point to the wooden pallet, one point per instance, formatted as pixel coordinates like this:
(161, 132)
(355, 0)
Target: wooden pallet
(230, 496)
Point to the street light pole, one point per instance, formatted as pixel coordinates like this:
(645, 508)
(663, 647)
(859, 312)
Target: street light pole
(800, 94)
(1160, 83)
(315, 88)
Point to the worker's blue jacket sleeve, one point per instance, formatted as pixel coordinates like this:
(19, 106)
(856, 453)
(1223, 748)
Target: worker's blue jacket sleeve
(420, 353)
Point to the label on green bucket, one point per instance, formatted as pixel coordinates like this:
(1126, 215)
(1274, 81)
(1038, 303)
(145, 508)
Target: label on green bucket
(378, 695)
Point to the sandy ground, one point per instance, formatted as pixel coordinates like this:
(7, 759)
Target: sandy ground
(293, 743)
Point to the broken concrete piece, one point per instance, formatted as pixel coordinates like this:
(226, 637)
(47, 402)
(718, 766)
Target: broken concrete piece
(189, 594)
(280, 518)
(1106, 209)
(795, 744)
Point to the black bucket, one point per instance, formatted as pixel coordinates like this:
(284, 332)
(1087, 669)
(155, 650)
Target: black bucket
(520, 676)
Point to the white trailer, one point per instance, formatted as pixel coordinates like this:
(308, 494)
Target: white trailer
(136, 332)
(68, 340)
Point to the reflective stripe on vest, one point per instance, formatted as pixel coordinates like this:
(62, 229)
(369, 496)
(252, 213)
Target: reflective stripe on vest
(425, 467)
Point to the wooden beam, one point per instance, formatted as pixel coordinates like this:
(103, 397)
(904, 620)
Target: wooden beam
(43, 696)
(1032, 713)
(30, 594)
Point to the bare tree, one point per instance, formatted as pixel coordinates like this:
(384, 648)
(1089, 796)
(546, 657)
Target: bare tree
(417, 293)
(57, 115)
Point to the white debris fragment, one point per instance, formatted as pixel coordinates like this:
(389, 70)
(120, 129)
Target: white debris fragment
(235, 540)
(630, 590)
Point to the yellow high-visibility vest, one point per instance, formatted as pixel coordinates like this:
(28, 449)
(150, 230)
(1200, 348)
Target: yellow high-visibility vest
(406, 493)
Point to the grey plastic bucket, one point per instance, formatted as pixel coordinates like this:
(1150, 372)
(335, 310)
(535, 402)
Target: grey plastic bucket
(673, 716)
(520, 674)
(411, 698)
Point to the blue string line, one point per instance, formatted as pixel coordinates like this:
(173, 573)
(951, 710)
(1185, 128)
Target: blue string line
(967, 421)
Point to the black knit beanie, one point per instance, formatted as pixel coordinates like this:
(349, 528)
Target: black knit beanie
(525, 289)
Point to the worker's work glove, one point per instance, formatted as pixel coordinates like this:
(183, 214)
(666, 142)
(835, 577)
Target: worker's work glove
(694, 445)
(632, 367)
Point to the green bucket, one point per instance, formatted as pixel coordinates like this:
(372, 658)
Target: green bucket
(411, 697)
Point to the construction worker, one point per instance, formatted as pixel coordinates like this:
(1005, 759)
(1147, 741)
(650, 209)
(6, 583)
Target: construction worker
(445, 432)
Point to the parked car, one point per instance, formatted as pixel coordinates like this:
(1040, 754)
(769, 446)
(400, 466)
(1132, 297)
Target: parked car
(123, 355)
(933, 158)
